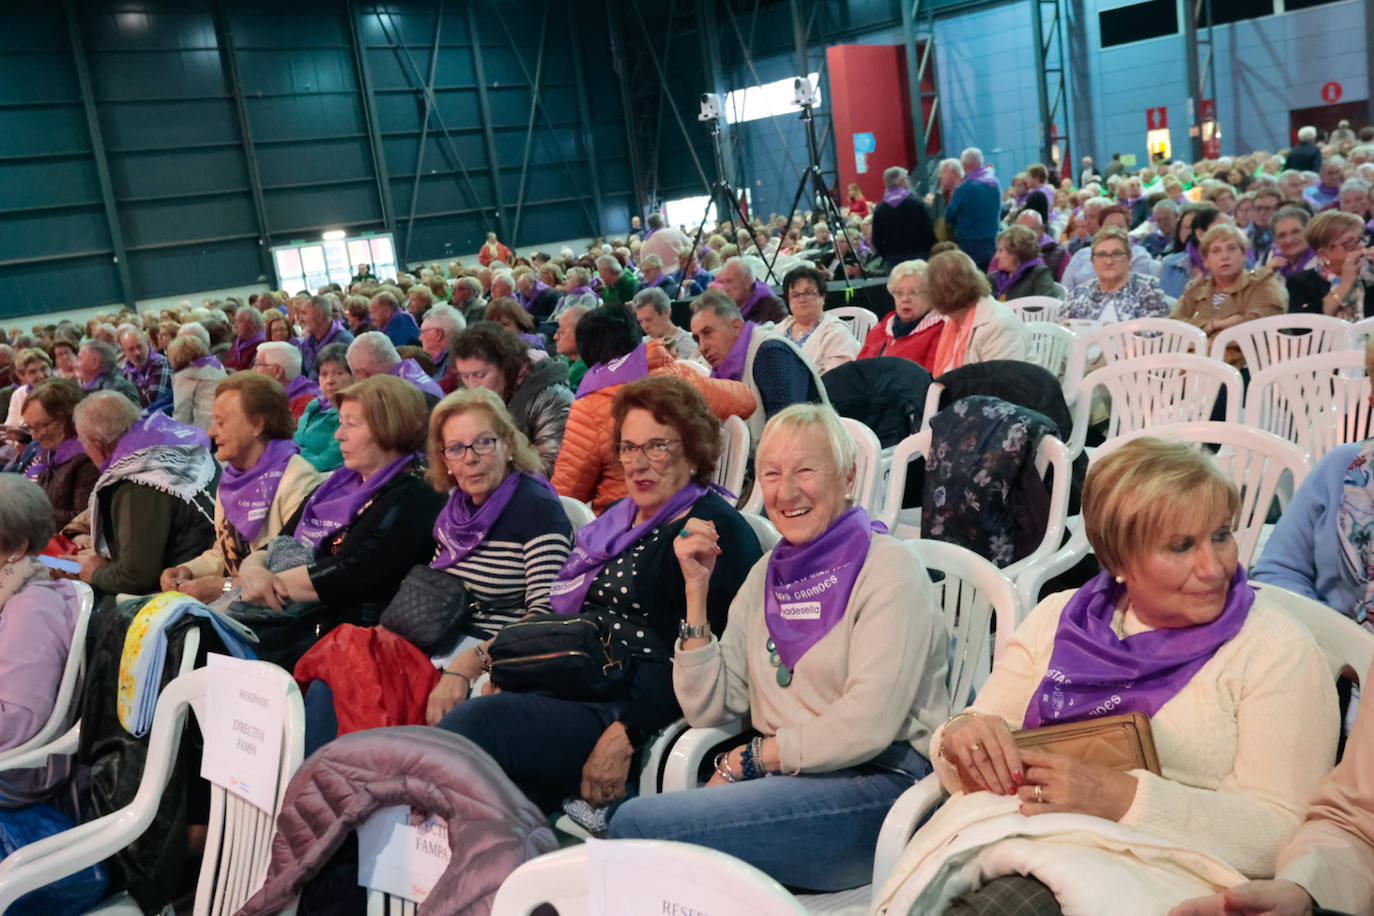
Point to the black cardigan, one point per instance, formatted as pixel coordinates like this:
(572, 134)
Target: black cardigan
(1307, 289)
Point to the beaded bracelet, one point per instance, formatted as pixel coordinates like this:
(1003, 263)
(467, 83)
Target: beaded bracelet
(748, 765)
(722, 764)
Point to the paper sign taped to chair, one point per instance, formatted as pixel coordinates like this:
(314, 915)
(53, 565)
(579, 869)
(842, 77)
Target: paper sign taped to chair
(630, 879)
(245, 712)
(402, 851)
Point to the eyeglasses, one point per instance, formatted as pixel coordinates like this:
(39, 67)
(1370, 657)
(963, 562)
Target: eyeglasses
(657, 451)
(804, 294)
(1351, 243)
(1110, 256)
(483, 445)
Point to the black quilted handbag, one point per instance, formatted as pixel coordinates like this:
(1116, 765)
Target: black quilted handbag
(431, 610)
(567, 656)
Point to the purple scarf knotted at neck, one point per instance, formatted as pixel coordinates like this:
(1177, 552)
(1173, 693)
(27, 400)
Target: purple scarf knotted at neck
(205, 361)
(1046, 240)
(302, 384)
(1093, 672)
(982, 175)
(241, 346)
(412, 372)
(609, 536)
(628, 368)
(336, 501)
(139, 374)
(732, 367)
(893, 196)
(1196, 258)
(461, 526)
(1003, 281)
(581, 291)
(761, 291)
(1303, 263)
(528, 300)
(66, 451)
(246, 496)
(807, 587)
(156, 429)
(312, 347)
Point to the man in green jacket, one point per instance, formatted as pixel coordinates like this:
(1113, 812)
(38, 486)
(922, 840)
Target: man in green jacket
(618, 285)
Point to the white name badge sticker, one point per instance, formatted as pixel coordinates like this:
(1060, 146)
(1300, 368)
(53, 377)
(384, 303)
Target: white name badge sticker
(631, 880)
(402, 851)
(246, 715)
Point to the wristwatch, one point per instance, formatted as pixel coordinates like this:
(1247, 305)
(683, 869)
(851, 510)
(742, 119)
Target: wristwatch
(687, 631)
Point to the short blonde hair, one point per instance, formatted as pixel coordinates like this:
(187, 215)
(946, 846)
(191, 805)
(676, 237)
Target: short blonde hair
(1146, 488)
(1326, 228)
(1223, 231)
(477, 400)
(183, 351)
(393, 409)
(914, 268)
(812, 419)
(1112, 233)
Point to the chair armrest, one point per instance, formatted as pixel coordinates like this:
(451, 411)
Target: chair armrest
(910, 810)
(654, 754)
(31, 758)
(689, 750)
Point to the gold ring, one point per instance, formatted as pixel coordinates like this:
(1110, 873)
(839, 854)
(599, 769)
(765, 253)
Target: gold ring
(975, 747)
(1039, 795)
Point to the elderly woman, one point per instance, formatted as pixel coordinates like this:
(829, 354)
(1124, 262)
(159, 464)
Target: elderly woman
(825, 340)
(64, 353)
(62, 467)
(913, 329)
(652, 275)
(31, 367)
(1184, 262)
(317, 425)
(37, 617)
(834, 651)
(623, 572)
(512, 318)
(166, 333)
(1291, 252)
(535, 393)
(365, 526)
(277, 327)
(1229, 294)
(977, 327)
(689, 280)
(1018, 270)
(281, 362)
(1338, 283)
(1241, 704)
(264, 483)
(1115, 294)
(195, 374)
(503, 535)
(248, 333)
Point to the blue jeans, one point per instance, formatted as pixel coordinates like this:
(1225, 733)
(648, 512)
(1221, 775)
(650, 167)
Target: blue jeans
(321, 725)
(539, 742)
(814, 831)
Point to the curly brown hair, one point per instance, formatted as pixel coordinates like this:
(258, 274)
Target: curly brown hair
(488, 341)
(674, 403)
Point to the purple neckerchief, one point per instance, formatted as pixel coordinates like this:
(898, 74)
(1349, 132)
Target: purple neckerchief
(412, 372)
(94, 383)
(628, 368)
(1196, 258)
(647, 234)
(1093, 672)
(982, 175)
(607, 537)
(302, 384)
(761, 290)
(339, 499)
(246, 496)
(1130, 202)
(312, 347)
(461, 526)
(807, 587)
(139, 374)
(1304, 262)
(154, 430)
(1322, 196)
(1019, 200)
(1046, 239)
(1003, 281)
(1369, 226)
(893, 196)
(732, 367)
(241, 345)
(534, 340)
(66, 451)
(581, 291)
(204, 361)
(527, 301)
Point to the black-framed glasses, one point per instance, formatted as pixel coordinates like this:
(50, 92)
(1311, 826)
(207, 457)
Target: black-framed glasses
(483, 445)
(657, 451)
(1110, 255)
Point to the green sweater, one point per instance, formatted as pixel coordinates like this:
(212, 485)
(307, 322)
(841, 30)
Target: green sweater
(622, 292)
(315, 435)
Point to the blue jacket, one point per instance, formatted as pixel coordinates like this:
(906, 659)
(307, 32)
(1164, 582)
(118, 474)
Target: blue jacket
(976, 211)
(402, 330)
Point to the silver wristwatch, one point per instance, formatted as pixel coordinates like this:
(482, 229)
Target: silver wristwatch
(687, 631)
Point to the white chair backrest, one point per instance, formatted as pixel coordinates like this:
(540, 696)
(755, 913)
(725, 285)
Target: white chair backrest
(63, 706)
(868, 471)
(1149, 390)
(763, 529)
(1120, 340)
(563, 880)
(1263, 466)
(734, 455)
(1318, 402)
(578, 512)
(1048, 346)
(1035, 308)
(1359, 332)
(1349, 647)
(1279, 338)
(859, 320)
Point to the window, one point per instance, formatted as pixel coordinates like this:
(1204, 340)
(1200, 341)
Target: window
(1125, 24)
(1224, 11)
(1291, 5)
(687, 212)
(766, 101)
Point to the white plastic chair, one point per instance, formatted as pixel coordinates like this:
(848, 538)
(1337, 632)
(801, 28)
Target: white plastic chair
(1349, 647)
(1120, 340)
(734, 455)
(1036, 308)
(1359, 332)
(1150, 390)
(869, 470)
(563, 879)
(239, 835)
(858, 319)
(380, 903)
(1264, 342)
(64, 706)
(1318, 402)
(1048, 346)
(763, 529)
(578, 512)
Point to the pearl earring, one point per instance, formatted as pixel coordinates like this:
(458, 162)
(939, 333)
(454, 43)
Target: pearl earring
(1120, 580)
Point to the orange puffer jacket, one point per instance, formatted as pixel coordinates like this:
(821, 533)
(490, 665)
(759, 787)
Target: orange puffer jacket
(588, 468)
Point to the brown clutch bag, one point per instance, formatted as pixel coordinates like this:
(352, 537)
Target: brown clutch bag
(1121, 742)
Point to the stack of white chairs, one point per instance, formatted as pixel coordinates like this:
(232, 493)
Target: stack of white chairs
(1048, 346)
(1317, 402)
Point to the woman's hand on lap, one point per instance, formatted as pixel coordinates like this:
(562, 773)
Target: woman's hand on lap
(608, 766)
(448, 693)
(1072, 786)
(984, 746)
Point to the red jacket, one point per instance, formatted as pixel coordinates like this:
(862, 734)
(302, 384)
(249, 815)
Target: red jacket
(918, 346)
(503, 254)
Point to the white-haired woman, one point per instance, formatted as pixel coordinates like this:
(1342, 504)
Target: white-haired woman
(834, 651)
(913, 329)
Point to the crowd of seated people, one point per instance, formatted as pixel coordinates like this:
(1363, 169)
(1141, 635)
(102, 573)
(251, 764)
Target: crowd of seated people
(299, 461)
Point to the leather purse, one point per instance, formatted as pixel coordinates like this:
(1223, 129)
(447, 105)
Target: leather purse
(559, 655)
(430, 610)
(1123, 742)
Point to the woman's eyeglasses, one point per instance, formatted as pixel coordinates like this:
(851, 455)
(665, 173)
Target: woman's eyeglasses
(657, 451)
(483, 446)
(1109, 255)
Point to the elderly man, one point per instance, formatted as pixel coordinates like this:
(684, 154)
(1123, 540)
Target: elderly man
(281, 361)
(754, 298)
(321, 330)
(436, 333)
(1087, 174)
(538, 298)
(1306, 156)
(1157, 233)
(1326, 193)
(820, 250)
(902, 228)
(503, 285)
(95, 367)
(153, 504)
(146, 369)
(395, 322)
(248, 333)
(652, 274)
(975, 209)
(776, 371)
(373, 354)
(467, 298)
(655, 314)
(1051, 252)
(565, 343)
(618, 285)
